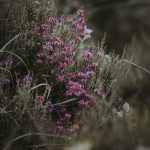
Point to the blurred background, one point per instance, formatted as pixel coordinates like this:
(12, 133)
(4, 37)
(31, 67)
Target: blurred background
(127, 25)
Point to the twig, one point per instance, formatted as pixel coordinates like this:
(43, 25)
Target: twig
(142, 68)
(39, 85)
(9, 42)
(65, 102)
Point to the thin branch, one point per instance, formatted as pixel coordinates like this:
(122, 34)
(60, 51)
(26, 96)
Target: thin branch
(65, 102)
(39, 85)
(142, 68)
(15, 37)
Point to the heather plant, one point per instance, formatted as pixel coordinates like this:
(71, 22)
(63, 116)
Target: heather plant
(63, 79)
(78, 76)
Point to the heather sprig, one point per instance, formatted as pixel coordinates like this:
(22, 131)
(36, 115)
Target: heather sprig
(70, 74)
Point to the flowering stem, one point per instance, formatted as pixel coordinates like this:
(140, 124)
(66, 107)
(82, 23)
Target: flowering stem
(65, 102)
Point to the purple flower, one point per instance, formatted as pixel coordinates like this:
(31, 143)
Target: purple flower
(73, 128)
(41, 30)
(7, 82)
(87, 55)
(40, 98)
(57, 41)
(80, 28)
(86, 69)
(61, 20)
(52, 20)
(91, 50)
(69, 20)
(98, 91)
(15, 97)
(63, 65)
(61, 78)
(80, 12)
(50, 106)
(48, 46)
(8, 62)
(68, 116)
(27, 78)
(39, 61)
(60, 129)
(84, 103)
(74, 89)
(44, 26)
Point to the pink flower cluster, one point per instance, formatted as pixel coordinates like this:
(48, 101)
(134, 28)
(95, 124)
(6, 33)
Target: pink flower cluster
(84, 103)
(69, 75)
(74, 89)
